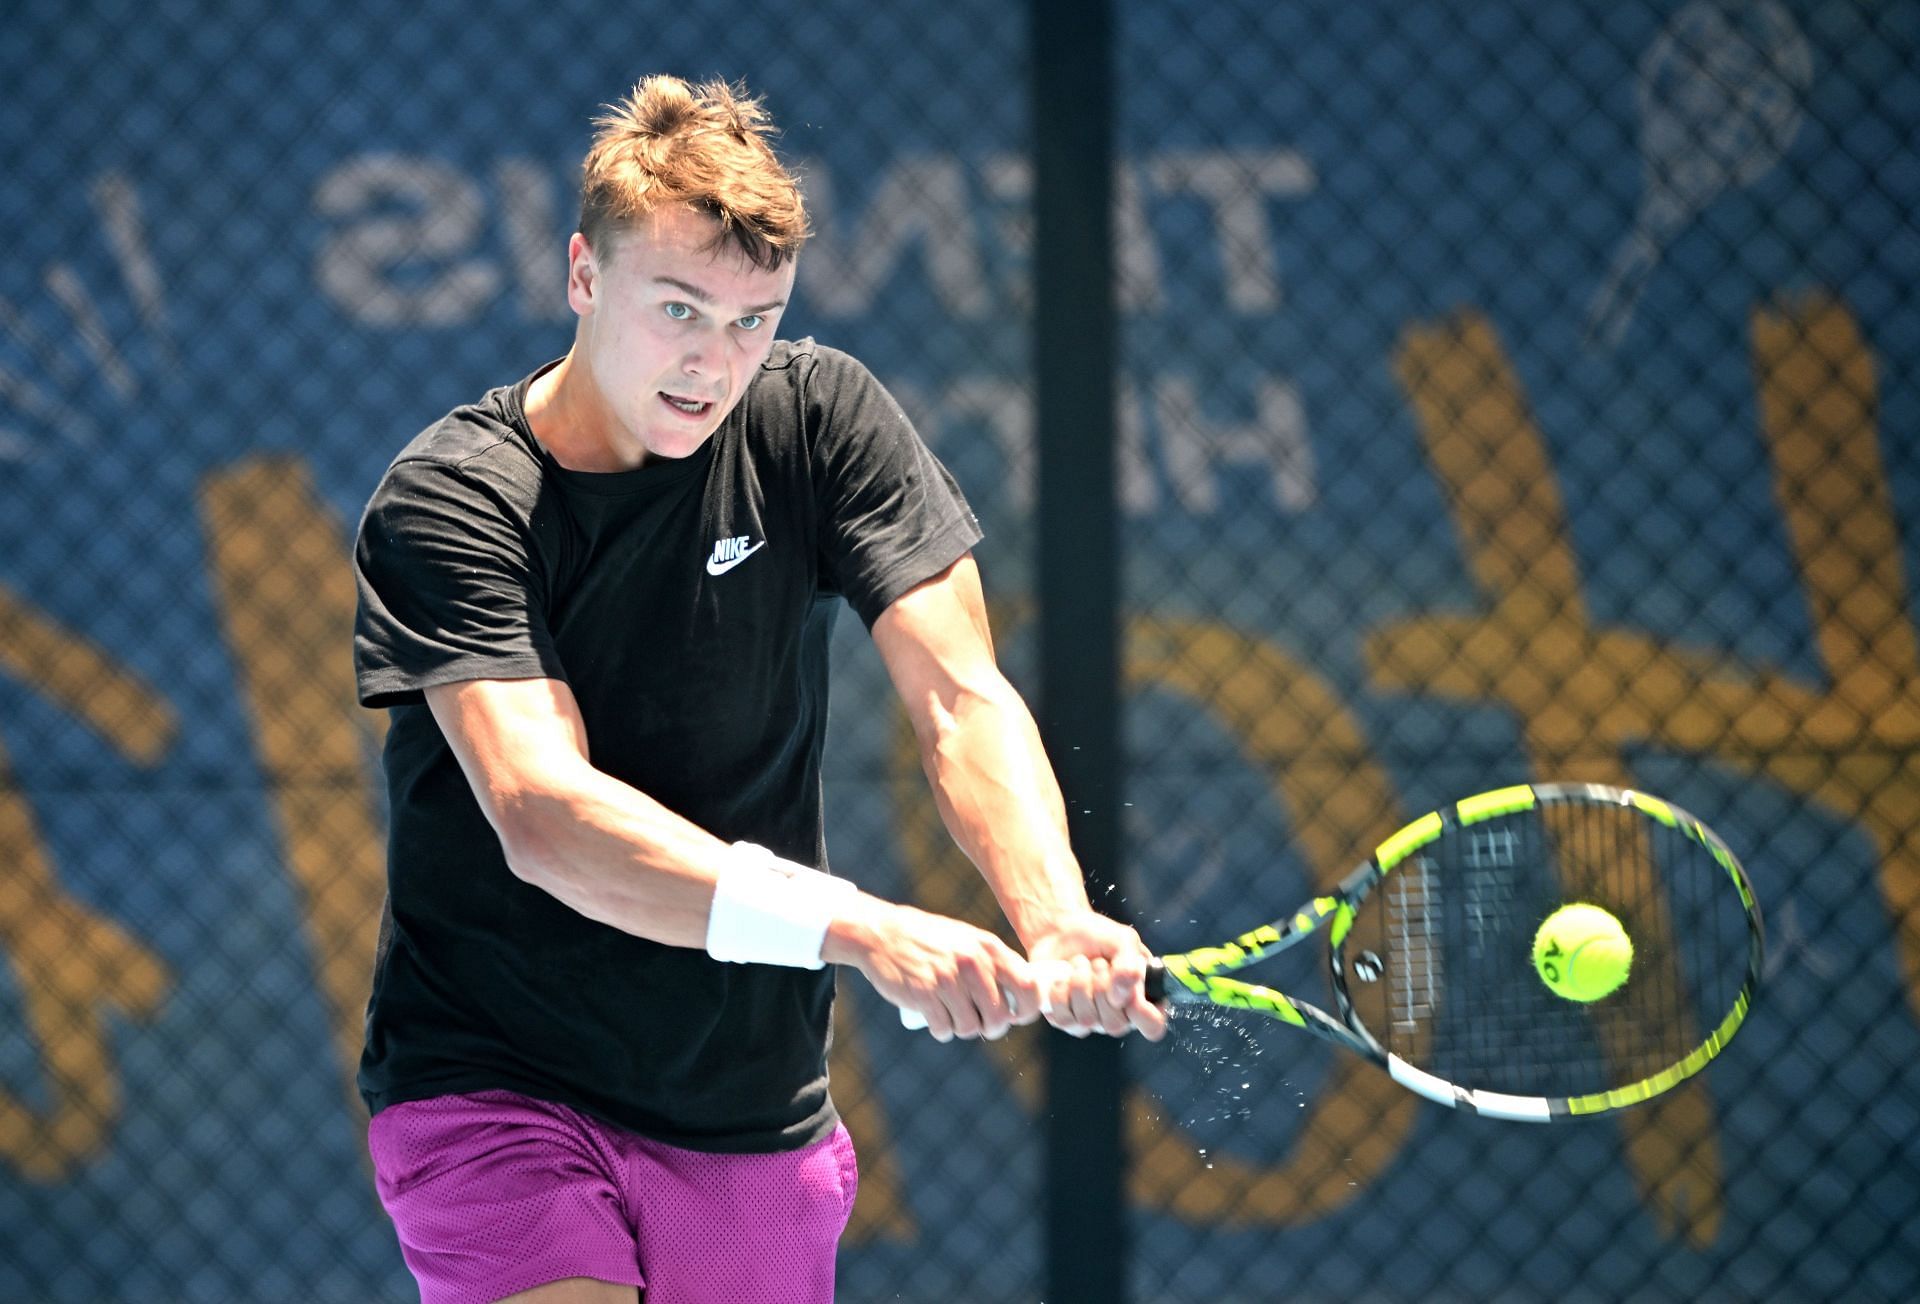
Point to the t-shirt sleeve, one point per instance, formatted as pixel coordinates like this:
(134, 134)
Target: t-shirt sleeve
(448, 589)
(891, 514)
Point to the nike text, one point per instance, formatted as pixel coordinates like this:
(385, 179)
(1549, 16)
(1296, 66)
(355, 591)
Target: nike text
(728, 553)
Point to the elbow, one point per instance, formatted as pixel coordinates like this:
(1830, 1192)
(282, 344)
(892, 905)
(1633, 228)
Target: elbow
(526, 823)
(528, 862)
(528, 856)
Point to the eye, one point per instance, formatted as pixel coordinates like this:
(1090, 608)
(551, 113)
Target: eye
(679, 312)
(753, 321)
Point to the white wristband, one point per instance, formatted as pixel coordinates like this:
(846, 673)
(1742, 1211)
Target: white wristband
(771, 911)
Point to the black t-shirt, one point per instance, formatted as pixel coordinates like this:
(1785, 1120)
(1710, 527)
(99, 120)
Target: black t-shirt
(689, 605)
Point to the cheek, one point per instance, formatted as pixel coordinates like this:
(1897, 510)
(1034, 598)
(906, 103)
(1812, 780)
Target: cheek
(631, 351)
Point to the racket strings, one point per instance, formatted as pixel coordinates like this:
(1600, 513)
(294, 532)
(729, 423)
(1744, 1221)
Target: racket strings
(1461, 998)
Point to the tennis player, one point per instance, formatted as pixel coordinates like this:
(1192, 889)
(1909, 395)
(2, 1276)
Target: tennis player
(598, 603)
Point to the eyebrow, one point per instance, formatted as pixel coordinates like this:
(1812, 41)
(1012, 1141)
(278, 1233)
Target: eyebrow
(700, 296)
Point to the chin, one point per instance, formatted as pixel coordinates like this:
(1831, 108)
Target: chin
(677, 445)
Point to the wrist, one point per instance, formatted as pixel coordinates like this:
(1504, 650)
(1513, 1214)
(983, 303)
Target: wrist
(1048, 901)
(1058, 918)
(854, 933)
(771, 911)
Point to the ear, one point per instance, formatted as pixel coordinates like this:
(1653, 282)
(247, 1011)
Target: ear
(583, 275)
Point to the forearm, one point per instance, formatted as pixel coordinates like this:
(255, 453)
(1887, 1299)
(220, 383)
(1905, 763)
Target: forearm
(1001, 802)
(614, 854)
(998, 796)
(619, 857)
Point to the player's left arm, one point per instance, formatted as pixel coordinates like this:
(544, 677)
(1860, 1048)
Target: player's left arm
(1001, 802)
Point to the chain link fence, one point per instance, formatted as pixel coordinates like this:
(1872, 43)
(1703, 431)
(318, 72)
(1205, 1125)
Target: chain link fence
(1508, 390)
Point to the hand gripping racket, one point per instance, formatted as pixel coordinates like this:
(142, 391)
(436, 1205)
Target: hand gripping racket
(1431, 953)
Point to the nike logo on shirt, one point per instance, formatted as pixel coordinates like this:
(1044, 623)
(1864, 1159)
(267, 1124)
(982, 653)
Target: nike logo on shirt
(728, 553)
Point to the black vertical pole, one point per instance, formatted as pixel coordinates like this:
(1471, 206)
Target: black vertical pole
(1074, 371)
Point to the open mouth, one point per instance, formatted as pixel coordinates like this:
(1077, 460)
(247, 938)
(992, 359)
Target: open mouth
(687, 406)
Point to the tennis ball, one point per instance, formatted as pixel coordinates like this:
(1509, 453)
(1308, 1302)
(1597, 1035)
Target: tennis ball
(1582, 952)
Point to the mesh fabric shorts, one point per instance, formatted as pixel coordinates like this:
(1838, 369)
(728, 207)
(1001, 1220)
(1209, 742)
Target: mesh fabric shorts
(494, 1193)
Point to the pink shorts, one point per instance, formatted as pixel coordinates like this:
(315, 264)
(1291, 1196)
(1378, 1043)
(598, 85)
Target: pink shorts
(494, 1193)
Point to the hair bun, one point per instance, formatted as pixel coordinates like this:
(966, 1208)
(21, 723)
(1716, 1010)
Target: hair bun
(667, 106)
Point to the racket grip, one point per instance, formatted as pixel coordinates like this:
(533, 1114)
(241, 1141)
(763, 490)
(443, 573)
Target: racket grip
(1156, 981)
(1046, 973)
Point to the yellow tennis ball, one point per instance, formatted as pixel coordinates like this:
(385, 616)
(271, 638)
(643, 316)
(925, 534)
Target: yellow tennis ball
(1582, 952)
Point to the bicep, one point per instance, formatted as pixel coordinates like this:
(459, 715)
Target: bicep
(936, 644)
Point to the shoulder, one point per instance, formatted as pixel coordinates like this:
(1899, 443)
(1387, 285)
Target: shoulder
(830, 394)
(470, 478)
(814, 369)
(816, 400)
(476, 446)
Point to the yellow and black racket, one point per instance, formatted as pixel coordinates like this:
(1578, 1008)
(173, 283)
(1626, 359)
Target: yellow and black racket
(1446, 972)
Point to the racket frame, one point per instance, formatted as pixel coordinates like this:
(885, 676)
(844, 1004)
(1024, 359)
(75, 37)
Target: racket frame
(1199, 977)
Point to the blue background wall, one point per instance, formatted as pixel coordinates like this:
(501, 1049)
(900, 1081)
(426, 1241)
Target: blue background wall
(293, 232)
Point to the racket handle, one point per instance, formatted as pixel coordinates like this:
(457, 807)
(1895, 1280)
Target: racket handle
(1046, 973)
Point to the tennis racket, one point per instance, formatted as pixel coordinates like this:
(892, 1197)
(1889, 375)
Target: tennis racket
(1430, 953)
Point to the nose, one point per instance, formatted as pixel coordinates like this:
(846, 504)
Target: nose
(702, 359)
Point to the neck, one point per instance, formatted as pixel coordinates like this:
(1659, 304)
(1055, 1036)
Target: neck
(568, 418)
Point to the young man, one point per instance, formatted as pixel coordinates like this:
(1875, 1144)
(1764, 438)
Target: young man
(599, 604)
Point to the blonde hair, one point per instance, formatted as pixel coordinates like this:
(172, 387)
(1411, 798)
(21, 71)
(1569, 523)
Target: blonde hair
(706, 146)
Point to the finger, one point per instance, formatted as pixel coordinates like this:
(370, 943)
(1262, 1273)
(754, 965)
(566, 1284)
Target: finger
(1129, 966)
(1068, 984)
(1082, 1017)
(1060, 993)
(937, 1022)
(963, 1010)
(1018, 983)
(1025, 987)
(1147, 1018)
(989, 1003)
(1021, 995)
(1110, 1015)
(1053, 979)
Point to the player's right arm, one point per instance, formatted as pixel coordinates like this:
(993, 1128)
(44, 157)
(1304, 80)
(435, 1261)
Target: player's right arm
(617, 856)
